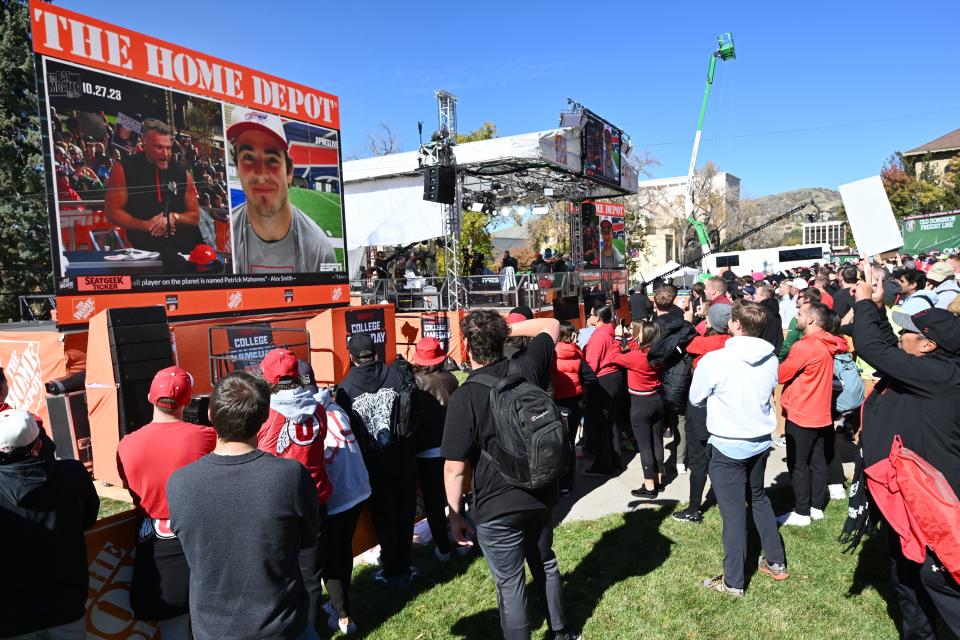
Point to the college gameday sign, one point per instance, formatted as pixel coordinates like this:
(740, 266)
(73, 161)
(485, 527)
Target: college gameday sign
(178, 178)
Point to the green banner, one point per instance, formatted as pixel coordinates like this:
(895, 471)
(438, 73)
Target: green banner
(936, 232)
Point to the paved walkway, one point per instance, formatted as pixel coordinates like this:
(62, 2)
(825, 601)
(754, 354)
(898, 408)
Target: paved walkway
(597, 497)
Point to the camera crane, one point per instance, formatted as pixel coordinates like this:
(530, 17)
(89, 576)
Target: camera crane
(701, 229)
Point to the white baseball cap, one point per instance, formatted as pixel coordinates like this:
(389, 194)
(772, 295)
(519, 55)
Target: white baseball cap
(799, 283)
(249, 119)
(17, 429)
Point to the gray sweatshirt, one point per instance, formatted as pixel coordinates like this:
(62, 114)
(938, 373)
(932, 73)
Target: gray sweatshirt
(242, 521)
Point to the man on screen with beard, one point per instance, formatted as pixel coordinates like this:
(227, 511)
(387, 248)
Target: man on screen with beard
(152, 197)
(270, 235)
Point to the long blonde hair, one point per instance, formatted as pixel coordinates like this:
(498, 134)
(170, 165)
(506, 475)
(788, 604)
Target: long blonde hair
(644, 333)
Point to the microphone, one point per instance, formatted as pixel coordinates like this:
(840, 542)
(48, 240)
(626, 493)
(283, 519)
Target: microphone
(171, 191)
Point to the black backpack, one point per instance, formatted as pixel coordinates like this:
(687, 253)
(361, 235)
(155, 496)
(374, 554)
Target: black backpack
(403, 426)
(530, 450)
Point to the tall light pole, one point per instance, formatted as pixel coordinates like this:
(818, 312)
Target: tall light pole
(725, 51)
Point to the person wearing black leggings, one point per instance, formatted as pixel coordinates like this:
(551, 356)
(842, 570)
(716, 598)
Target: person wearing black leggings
(714, 338)
(435, 385)
(602, 397)
(568, 373)
(646, 404)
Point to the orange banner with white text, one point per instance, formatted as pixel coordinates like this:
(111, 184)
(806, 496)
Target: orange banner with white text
(74, 37)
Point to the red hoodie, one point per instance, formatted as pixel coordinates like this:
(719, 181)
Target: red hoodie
(702, 345)
(303, 442)
(642, 378)
(601, 347)
(807, 379)
(566, 371)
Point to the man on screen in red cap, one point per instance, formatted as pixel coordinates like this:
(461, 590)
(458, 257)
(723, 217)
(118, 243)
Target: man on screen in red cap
(146, 459)
(270, 235)
(295, 429)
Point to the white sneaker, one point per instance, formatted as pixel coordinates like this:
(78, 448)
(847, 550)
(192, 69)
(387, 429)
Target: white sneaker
(780, 441)
(334, 623)
(816, 514)
(793, 519)
(837, 492)
(681, 468)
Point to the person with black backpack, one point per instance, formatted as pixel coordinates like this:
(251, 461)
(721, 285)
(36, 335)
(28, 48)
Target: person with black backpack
(513, 436)
(378, 398)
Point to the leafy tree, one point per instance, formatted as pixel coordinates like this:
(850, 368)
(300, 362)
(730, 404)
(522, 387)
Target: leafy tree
(551, 229)
(485, 132)
(25, 247)
(910, 195)
(951, 184)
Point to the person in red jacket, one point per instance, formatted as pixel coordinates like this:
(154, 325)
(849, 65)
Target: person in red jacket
(146, 459)
(569, 375)
(603, 396)
(295, 429)
(807, 403)
(646, 404)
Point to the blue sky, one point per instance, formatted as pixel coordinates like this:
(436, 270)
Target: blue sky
(820, 94)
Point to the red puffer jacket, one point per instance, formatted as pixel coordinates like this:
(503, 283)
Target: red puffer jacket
(566, 371)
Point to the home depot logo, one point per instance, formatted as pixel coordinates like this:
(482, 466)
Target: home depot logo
(23, 377)
(235, 300)
(83, 309)
(336, 294)
(109, 613)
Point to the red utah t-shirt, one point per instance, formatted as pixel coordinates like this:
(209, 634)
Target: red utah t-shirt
(149, 456)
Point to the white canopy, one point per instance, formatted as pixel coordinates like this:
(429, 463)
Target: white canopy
(383, 195)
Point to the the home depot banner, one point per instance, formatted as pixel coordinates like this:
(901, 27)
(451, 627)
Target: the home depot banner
(178, 178)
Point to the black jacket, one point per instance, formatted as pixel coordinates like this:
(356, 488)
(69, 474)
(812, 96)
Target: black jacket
(430, 408)
(367, 379)
(773, 332)
(917, 398)
(669, 352)
(45, 506)
(640, 306)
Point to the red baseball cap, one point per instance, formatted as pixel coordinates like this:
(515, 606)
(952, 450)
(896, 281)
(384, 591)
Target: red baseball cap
(280, 365)
(429, 352)
(171, 388)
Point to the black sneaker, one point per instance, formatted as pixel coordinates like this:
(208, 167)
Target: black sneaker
(566, 634)
(683, 516)
(643, 492)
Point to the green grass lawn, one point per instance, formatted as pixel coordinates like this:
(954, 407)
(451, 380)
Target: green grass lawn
(109, 507)
(324, 209)
(637, 575)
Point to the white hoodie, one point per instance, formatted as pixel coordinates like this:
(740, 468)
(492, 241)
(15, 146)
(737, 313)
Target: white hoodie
(736, 383)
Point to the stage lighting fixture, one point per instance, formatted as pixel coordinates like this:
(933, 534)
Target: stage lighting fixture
(575, 119)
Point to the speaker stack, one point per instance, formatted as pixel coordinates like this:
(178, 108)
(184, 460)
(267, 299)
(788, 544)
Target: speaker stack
(139, 347)
(67, 414)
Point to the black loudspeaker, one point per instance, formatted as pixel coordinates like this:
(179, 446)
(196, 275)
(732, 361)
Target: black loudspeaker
(589, 211)
(69, 427)
(567, 308)
(440, 184)
(197, 412)
(139, 347)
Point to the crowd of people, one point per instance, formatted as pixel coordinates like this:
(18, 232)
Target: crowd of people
(84, 158)
(245, 524)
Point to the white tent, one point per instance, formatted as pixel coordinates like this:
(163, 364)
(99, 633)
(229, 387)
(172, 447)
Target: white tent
(383, 195)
